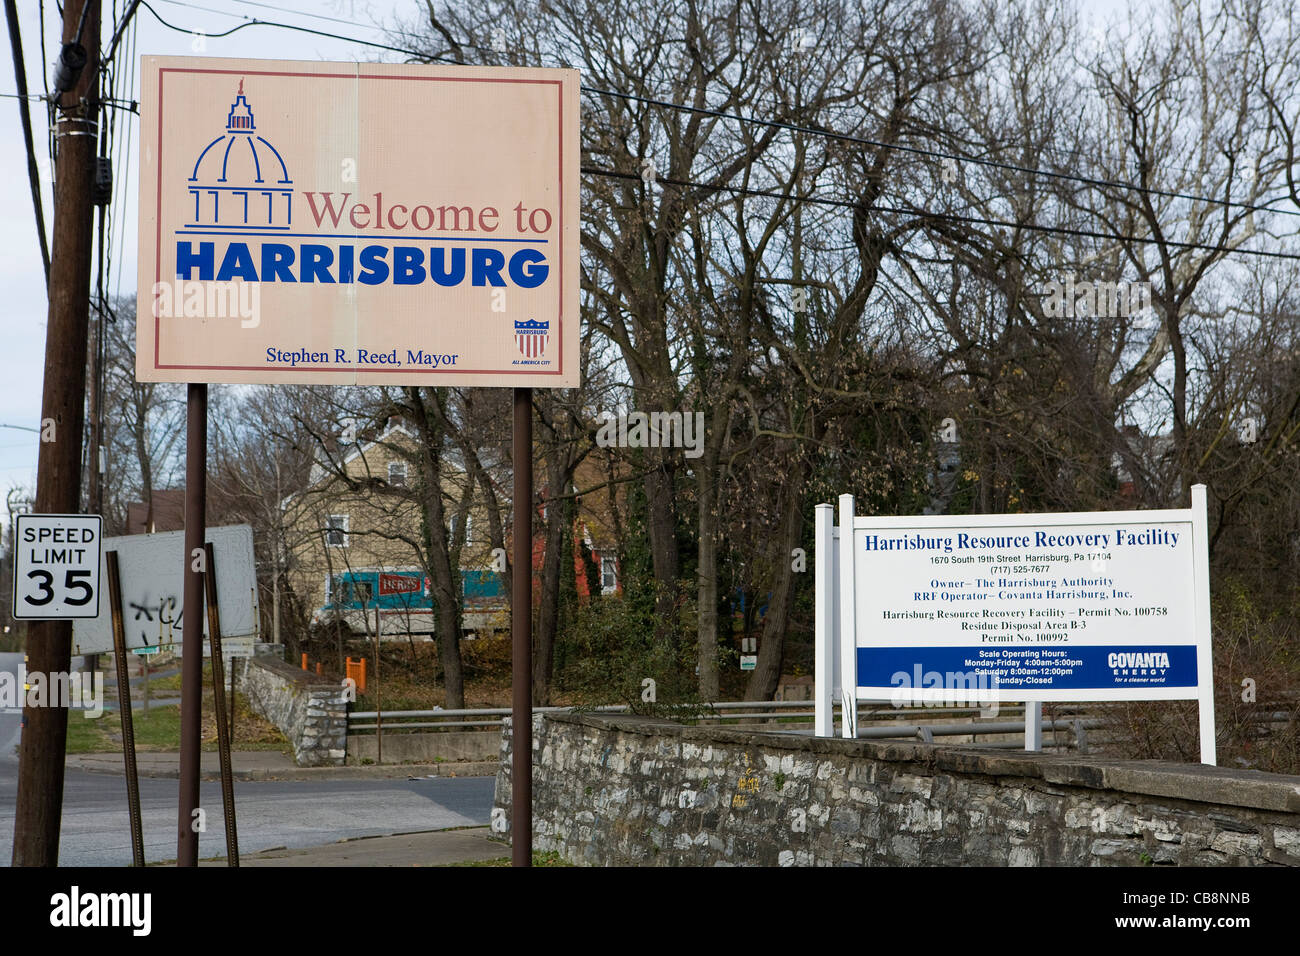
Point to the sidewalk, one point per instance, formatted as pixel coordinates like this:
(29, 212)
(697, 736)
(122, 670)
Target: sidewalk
(434, 848)
(272, 765)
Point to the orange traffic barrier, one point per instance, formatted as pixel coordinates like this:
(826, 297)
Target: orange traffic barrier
(357, 673)
(304, 661)
(318, 667)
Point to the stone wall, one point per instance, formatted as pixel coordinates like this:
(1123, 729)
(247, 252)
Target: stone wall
(308, 709)
(614, 790)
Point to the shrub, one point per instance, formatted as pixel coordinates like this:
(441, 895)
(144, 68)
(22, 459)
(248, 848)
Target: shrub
(1248, 644)
(611, 648)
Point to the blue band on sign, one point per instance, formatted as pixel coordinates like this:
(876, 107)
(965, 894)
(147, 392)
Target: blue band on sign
(1036, 668)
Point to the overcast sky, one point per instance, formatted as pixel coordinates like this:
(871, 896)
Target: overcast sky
(22, 348)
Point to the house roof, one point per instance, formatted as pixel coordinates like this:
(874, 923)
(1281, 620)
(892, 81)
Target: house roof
(168, 512)
(321, 474)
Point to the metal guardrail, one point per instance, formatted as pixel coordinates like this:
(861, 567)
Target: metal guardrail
(900, 722)
(792, 712)
(731, 710)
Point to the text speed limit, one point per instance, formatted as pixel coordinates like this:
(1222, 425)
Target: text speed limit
(56, 566)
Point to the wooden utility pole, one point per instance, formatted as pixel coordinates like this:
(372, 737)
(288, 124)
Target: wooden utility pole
(39, 806)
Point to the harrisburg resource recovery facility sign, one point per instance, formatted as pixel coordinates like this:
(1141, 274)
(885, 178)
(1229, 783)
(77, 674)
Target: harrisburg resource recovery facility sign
(343, 223)
(1031, 607)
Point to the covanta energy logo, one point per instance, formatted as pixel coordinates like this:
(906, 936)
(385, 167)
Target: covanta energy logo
(1152, 665)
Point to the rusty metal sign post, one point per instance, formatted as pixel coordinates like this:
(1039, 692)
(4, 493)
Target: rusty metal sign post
(219, 703)
(189, 817)
(521, 630)
(120, 656)
(379, 699)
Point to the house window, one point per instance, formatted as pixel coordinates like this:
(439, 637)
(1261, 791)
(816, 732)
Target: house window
(336, 531)
(397, 474)
(608, 575)
(455, 527)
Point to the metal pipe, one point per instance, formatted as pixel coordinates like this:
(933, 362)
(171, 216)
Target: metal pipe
(487, 723)
(521, 630)
(476, 712)
(873, 733)
(724, 705)
(124, 707)
(219, 704)
(967, 730)
(196, 496)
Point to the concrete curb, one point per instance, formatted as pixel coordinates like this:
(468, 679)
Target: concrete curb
(457, 846)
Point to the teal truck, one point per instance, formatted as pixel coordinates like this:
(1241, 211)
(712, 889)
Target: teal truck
(401, 599)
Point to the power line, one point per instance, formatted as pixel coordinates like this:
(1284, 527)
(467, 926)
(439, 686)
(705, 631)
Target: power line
(126, 148)
(845, 137)
(117, 33)
(952, 217)
(933, 153)
(1074, 153)
(296, 13)
(33, 172)
(254, 22)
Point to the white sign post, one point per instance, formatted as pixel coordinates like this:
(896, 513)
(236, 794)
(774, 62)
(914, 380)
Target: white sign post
(56, 566)
(1092, 606)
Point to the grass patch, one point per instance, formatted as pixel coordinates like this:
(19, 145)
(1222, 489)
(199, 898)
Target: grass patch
(159, 730)
(549, 858)
(170, 682)
(86, 736)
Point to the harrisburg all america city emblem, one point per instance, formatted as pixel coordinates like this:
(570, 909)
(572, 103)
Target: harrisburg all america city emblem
(531, 337)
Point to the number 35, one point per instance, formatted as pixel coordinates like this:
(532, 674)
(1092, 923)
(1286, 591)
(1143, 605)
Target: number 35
(71, 582)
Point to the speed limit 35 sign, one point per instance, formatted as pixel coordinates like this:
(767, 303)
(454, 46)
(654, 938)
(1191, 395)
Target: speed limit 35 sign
(56, 567)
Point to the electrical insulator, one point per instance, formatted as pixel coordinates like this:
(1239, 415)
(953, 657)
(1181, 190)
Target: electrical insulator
(103, 191)
(72, 60)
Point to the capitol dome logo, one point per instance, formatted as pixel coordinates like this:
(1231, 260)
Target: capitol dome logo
(240, 181)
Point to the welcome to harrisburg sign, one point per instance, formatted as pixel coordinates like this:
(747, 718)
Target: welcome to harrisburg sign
(344, 223)
(1030, 607)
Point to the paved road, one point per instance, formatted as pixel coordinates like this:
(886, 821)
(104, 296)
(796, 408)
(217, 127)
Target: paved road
(10, 723)
(269, 814)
